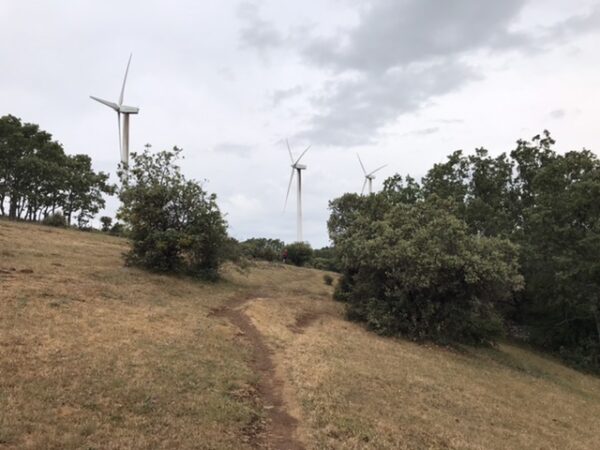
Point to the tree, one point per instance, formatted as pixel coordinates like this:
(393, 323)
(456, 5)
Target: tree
(84, 189)
(299, 253)
(399, 190)
(449, 180)
(326, 258)
(560, 238)
(106, 223)
(416, 271)
(262, 248)
(174, 225)
(37, 178)
(490, 194)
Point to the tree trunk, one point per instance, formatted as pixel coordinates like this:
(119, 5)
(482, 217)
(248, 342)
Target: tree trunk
(14, 204)
(597, 317)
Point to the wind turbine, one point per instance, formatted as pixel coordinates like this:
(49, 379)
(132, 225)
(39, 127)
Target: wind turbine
(369, 177)
(126, 111)
(296, 168)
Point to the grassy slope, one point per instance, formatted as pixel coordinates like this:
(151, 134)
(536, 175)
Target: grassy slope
(95, 355)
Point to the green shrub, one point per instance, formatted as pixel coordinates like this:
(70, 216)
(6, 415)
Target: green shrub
(299, 253)
(328, 279)
(117, 229)
(326, 259)
(55, 220)
(416, 271)
(174, 225)
(261, 248)
(106, 223)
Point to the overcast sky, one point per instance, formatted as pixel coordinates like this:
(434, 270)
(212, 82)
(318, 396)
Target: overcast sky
(402, 82)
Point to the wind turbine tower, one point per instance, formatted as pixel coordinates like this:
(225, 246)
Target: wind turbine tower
(297, 168)
(126, 111)
(369, 177)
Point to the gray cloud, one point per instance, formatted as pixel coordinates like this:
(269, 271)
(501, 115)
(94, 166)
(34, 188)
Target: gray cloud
(256, 32)
(401, 55)
(424, 131)
(353, 110)
(405, 54)
(450, 121)
(281, 95)
(557, 114)
(395, 33)
(578, 24)
(233, 149)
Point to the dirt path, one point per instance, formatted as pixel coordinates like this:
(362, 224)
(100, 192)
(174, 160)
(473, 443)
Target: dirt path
(280, 424)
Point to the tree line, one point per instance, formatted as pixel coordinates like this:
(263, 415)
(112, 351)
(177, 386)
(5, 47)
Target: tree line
(482, 246)
(39, 180)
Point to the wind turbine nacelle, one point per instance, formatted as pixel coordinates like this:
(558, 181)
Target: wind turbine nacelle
(129, 109)
(299, 166)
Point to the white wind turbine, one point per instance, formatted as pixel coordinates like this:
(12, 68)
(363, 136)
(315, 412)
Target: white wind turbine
(296, 168)
(369, 177)
(126, 111)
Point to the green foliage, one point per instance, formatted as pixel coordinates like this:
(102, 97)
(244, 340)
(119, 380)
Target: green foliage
(117, 229)
(299, 253)
(262, 248)
(545, 203)
(416, 271)
(174, 225)
(37, 178)
(326, 258)
(106, 223)
(55, 220)
(328, 279)
(560, 236)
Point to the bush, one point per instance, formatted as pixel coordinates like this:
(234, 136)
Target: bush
(55, 220)
(106, 223)
(174, 225)
(117, 229)
(328, 279)
(417, 272)
(299, 253)
(326, 259)
(261, 248)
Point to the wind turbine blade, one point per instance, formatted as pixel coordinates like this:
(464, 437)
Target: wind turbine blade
(378, 169)
(106, 102)
(303, 153)
(124, 81)
(288, 190)
(361, 164)
(289, 151)
(364, 186)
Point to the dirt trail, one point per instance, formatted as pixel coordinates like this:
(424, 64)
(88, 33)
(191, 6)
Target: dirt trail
(280, 425)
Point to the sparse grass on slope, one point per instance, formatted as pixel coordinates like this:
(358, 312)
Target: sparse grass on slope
(96, 355)
(354, 389)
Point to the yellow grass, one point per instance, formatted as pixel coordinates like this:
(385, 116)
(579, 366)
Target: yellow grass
(94, 355)
(358, 390)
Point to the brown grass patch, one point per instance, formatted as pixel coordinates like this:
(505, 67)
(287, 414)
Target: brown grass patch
(99, 356)
(357, 390)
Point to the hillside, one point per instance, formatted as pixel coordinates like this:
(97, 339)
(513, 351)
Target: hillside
(95, 355)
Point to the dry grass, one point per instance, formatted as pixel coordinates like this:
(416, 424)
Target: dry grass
(353, 389)
(96, 355)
